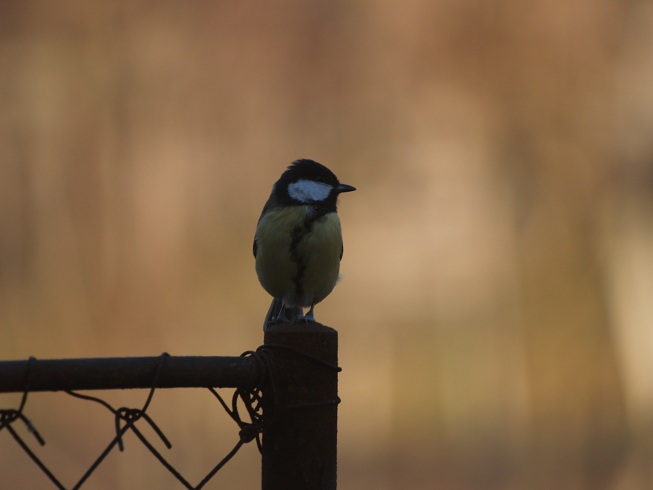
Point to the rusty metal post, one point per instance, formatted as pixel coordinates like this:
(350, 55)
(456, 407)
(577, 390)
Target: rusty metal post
(300, 445)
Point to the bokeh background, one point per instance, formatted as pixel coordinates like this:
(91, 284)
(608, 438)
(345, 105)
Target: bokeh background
(496, 309)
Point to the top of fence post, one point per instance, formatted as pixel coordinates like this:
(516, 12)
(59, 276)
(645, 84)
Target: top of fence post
(300, 444)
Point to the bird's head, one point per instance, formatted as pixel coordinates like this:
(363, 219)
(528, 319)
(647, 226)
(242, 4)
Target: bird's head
(308, 182)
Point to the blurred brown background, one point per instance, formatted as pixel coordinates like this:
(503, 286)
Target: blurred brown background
(495, 316)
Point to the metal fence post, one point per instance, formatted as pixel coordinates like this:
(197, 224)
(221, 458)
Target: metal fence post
(300, 445)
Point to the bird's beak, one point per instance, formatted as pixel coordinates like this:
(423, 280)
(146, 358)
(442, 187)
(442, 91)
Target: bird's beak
(345, 188)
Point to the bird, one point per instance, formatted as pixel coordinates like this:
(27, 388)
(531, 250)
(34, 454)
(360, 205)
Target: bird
(298, 241)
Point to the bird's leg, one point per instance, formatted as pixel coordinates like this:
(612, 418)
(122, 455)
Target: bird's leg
(282, 311)
(310, 317)
(277, 313)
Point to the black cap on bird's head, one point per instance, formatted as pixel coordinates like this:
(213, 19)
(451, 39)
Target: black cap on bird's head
(309, 182)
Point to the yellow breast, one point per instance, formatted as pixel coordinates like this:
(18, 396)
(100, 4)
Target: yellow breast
(296, 263)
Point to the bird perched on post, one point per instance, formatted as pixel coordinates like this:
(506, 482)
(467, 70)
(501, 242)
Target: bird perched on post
(298, 241)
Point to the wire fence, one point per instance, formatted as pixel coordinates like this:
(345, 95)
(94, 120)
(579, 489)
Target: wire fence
(285, 399)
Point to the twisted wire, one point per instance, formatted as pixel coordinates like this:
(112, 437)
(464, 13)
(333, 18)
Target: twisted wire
(9, 416)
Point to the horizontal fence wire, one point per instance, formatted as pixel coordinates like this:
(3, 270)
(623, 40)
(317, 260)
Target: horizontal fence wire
(127, 372)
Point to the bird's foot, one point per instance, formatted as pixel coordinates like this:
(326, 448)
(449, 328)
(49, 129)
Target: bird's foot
(281, 314)
(276, 321)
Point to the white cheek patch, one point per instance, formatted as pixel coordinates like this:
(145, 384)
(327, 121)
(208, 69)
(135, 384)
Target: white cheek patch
(308, 190)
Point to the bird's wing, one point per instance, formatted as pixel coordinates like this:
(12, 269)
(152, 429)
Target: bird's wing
(267, 206)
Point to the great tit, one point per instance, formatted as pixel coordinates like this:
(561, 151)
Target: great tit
(298, 241)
